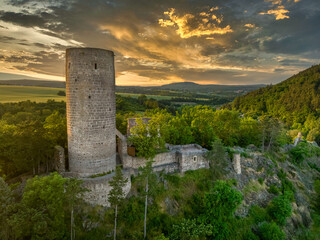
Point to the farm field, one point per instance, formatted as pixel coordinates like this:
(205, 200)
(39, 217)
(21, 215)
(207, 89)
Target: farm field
(136, 95)
(23, 93)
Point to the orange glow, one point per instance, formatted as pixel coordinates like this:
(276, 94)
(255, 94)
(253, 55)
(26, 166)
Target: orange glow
(204, 28)
(280, 13)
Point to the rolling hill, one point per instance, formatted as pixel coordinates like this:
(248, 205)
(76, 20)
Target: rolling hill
(194, 87)
(292, 100)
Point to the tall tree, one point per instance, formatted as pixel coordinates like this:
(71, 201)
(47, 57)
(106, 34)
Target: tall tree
(217, 159)
(149, 179)
(116, 194)
(6, 202)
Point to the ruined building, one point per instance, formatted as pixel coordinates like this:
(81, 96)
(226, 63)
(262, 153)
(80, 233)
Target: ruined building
(91, 112)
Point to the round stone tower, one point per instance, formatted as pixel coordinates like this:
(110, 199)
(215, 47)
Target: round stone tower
(91, 110)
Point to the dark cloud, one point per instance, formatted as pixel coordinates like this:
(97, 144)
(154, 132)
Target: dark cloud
(26, 20)
(132, 30)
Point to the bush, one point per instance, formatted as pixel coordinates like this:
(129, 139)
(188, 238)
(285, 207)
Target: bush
(250, 236)
(273, 189)
(61, 93)
(279, 209)
(260, 180)
(300, 152)
(270, 231)
(258, 214)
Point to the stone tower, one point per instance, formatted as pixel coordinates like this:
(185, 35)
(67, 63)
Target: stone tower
(91, 110)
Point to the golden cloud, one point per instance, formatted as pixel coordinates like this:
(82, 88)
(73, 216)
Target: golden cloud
(190, 25)
(279, 13)
(249, 25)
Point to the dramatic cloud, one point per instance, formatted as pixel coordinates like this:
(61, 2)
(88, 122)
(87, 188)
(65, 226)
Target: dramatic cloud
(279, 13)
(205, 23)
(159, 42)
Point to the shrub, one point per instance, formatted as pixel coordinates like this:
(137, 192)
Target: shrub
(273, 189)
(279, 209)
(61, 93)
(300, 152)
(258, 214)
(270, 231)
(250, 236)
(260, 180)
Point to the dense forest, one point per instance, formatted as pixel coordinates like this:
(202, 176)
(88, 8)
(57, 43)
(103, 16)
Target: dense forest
(296, 102)
(275, 198)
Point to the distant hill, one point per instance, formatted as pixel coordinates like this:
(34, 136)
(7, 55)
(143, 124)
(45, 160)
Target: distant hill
(181, 86)
(34, 83)
(292, 100)
(194, 87)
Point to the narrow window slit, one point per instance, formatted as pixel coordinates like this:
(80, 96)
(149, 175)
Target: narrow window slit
(95, 66)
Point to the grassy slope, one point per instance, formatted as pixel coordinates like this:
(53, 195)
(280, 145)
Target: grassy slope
(23, 93)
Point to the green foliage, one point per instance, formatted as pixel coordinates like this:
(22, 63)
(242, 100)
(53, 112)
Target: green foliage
(250, 132)
(6, 203)
(273, 189)
(260, 180)
(45, 205)
(61, 93)
(190, 230)
(217, 159)
(292, 101)
(28, 133)
(317, 197)
(258, 214)
(286, 186)
(270, 231)
(55, 126)
(116, 194)
(253, 186)
(299, 153)
(279, 209)
(161, 237)
(220, 204)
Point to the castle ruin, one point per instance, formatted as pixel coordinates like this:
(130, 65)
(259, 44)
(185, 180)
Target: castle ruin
(91, 112)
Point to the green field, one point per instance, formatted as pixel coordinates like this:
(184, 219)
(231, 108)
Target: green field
(23, 93)
(136, 95)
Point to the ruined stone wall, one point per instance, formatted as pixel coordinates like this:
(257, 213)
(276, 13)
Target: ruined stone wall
(192, 160)
(99, 188)
(90, 90)
(59, 159)
(161, 161)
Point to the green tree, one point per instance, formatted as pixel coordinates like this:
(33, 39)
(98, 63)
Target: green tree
(271, 231)
(55, 126)
(200, 119)
(61, 93)
(220, 205)
(148, 179)
(116, 194)
(190, 230)
(226, 126)
(280, 209)
(43, 212)
(217, 159)
(250, 132)
(6, 203)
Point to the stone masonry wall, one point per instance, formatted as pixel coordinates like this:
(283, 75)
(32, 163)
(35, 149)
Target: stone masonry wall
(99, 188)
(90, 90)
(161, 162)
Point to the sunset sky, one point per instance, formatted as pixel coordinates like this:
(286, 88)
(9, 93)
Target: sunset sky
(163, 41)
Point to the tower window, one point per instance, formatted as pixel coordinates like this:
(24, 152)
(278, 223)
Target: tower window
(89, 97)
(194, 158)
(95, 66)
(69, 65)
